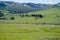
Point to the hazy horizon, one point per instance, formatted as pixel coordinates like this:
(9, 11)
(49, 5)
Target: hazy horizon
(35, 1)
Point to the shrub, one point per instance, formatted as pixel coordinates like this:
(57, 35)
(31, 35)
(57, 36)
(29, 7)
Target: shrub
(12, 18)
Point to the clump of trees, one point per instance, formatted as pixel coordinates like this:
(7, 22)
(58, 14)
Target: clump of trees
(32, 15)
(37, 15)
(1, 14)
(2, 18)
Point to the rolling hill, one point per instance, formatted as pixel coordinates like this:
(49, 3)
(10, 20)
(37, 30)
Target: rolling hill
(48, 16)
(15, 7)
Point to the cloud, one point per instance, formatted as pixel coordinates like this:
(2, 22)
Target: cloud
(50, 3)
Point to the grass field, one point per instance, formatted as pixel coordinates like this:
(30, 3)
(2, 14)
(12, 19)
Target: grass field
(29, 28)
(50, 16)
(28, 32)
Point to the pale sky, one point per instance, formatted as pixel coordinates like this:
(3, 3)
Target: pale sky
(36, 1)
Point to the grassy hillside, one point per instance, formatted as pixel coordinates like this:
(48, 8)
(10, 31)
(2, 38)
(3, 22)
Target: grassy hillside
(24, 26)
(49, 16)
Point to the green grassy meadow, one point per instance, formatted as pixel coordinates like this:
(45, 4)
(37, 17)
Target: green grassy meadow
(28, 32)
(30, 28)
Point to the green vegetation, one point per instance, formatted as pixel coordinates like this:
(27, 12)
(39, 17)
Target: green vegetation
(49, 16)
(28, 32)
(39, 25)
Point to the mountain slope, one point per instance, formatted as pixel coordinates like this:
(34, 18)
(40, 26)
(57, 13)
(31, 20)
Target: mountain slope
(15, 7)
(19, 8)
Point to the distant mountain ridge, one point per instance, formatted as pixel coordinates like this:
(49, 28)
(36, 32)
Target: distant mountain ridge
(25, 7)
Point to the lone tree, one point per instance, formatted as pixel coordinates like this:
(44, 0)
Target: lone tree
(12, 18)
(57, 15)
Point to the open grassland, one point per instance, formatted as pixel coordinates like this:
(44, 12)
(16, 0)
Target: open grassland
(28, 31)
(31, 28)
(50, 16)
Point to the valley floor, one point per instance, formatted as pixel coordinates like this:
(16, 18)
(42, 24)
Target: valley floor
(29, 32)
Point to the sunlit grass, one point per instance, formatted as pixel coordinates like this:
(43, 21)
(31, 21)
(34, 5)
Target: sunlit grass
(28, 31)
